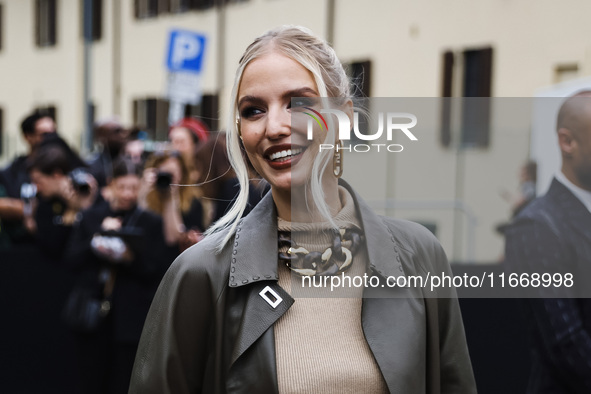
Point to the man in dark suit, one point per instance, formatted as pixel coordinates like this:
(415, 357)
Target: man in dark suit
(553, 235)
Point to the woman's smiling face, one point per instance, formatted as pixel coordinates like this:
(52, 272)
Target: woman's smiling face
(273, 146)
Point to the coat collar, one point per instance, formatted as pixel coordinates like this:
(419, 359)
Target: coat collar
(573, 209)
(254, 251)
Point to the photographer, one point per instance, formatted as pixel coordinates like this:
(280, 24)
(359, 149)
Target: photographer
(180, 207)
(111, 137)
(35, 127)
(119, 257)
(8, 210)
(61, 195)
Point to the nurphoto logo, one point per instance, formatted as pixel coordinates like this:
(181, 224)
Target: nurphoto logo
(393, 121)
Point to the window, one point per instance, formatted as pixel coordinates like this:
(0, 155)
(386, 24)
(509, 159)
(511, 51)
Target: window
(566, 72)
(207, 111)
(447, 88)
(477, 83)
(97, 19)
(146, 8)
(96, 13)
(46, 22)
(152, 8)
(360, 75)
(151, 115)
(49, 110)
(476, 70)
(177, 6)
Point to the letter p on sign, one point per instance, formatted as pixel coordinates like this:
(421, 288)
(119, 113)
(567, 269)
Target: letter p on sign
(185, 51)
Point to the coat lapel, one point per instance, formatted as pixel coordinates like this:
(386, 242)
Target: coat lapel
(577, 215)
(253, 277)
(390, 315)
(259, 315)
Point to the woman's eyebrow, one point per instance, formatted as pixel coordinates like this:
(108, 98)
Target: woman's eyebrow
(252, 99)
(301, 92)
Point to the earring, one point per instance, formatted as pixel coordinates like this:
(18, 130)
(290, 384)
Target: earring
(238, 128)
(337, 160)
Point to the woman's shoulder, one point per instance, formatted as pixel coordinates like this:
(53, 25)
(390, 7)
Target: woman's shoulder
(417, 244)
(204, 260)
(411, 236)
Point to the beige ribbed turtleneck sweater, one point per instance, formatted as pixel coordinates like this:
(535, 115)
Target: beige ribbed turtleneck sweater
(319, 341)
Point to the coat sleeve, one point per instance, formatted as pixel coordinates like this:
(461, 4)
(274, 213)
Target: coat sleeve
(455, 368)
(449, 369)
(534, 245)
(173, 349)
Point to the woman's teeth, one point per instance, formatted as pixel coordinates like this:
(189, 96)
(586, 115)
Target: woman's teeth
(285, 154)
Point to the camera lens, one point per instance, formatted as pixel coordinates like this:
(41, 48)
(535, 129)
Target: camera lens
(163, 180)
(80, 181)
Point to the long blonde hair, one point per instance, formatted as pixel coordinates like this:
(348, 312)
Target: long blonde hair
(314, 54)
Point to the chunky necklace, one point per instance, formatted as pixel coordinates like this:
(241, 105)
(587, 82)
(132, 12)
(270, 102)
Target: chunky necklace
(334, 260)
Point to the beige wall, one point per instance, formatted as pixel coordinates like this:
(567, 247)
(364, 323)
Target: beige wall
(404, 40)
(31, 76)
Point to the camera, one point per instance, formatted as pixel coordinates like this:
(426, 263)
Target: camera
(80, 183)
(28, 193)
(163, 180)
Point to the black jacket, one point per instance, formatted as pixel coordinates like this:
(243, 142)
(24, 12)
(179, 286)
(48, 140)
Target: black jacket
(15, 175)
(209, 330)
(136, 282)
(553, 234)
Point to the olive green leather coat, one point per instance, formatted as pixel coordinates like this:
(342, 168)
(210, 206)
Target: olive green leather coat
(210, 331)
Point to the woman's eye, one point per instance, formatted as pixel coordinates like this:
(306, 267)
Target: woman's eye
(249, 112)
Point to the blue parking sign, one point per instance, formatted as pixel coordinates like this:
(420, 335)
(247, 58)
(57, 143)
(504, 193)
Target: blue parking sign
(185, 51)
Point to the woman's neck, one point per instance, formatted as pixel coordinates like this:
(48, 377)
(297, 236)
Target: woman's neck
(298, 205)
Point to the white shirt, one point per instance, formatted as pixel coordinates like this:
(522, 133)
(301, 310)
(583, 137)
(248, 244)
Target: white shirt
(583, 195)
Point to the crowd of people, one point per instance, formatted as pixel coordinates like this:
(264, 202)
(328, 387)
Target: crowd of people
(116, 221)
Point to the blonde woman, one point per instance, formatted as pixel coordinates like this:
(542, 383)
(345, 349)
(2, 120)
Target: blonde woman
(225, 320)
